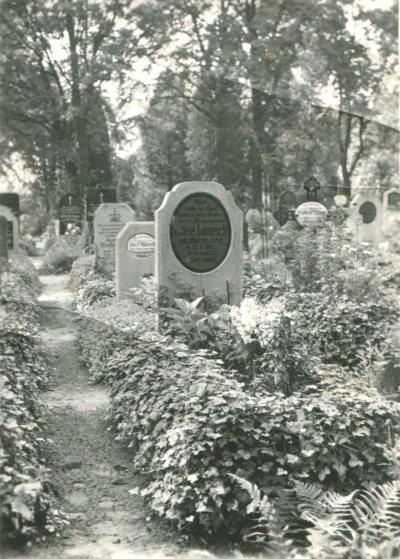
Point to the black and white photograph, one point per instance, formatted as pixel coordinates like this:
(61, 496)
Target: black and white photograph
(199, 279)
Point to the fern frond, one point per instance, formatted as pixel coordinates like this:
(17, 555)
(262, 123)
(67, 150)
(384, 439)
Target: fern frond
(377, 512)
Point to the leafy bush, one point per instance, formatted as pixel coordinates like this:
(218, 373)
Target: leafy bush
(82, 270)
(60, 257)
(24, 371)
(340, 328)
(189, 426)
(28, 245)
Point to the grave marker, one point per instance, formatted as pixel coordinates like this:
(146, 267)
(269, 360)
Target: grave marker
(391, 211)
(69, 212)
(311, 214)
(135, 246)
(108, 221)
(12, 230)
(97, 196)
(199, 232)
(365, 220)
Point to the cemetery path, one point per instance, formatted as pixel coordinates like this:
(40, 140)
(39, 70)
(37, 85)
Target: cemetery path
(91, 473)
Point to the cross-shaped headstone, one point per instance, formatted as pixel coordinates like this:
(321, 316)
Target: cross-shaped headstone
(101, 197)
(70, 199)
(311, 186)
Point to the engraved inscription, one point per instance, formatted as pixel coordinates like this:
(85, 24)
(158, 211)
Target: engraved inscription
(200, 232)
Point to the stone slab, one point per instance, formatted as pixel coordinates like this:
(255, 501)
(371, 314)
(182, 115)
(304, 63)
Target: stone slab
(199, 249)
(108, 221)
(135, 246)
(366, 217)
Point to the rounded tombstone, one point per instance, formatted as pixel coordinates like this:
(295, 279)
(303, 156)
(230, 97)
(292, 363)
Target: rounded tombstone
(200, 232)
(141, 245)
(311, 214)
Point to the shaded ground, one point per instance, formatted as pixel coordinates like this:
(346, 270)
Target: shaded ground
(91, 473)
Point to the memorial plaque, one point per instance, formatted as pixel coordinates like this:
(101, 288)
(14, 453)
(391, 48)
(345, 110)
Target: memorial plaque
(135, 246)
(141, 245)
(311, 214)
(109, 219)
(199, 244)
(368, 212)
(200, 232)
(97, 196)
(69, 212)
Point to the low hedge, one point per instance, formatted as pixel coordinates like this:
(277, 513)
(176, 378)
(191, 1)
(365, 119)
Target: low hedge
(190, 426)
(24, 371)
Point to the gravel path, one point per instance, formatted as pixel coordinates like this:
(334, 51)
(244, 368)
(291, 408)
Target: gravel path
(91, 473)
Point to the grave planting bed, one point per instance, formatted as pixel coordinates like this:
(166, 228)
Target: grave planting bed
(210, 419)
(26, 500)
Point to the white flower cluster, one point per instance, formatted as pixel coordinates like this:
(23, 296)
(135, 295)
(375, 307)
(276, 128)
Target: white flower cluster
(253, 318)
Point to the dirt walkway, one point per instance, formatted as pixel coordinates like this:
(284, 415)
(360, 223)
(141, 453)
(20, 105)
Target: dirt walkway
(91, 473)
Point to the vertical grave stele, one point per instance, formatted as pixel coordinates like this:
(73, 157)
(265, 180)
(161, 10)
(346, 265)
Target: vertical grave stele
(199, 245)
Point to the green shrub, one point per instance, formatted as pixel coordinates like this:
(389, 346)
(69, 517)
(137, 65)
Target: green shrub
(28, 245)
(340, 328)
(24, 371)
(81, 271)
(93, 291)
(189, 426)
(60, 256)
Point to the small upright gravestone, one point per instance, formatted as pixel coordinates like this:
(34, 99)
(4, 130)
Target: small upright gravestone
(12, 230)
(199, 250)
(365, 220)
(109, 219)
(135, 247)
(69, 212)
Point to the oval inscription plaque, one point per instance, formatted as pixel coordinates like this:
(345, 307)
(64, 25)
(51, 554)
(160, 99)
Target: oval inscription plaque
(141, 245)
(200, 232)
(368, 212)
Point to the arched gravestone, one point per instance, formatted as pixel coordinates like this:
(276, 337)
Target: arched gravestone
(199, 236)
(12, 230)
(365, 220)
(135, 246)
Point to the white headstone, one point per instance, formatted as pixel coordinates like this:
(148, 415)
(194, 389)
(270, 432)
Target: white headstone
(12, 230)
(199, 251)
(109, 219)
(365, 220)
(135, 245)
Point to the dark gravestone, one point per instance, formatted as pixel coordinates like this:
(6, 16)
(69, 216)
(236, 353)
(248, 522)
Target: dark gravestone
(394, 200)
(3, 237)
(368, 212)
(97, 196)
(69, 212)
(200, 232)
(11, 200)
